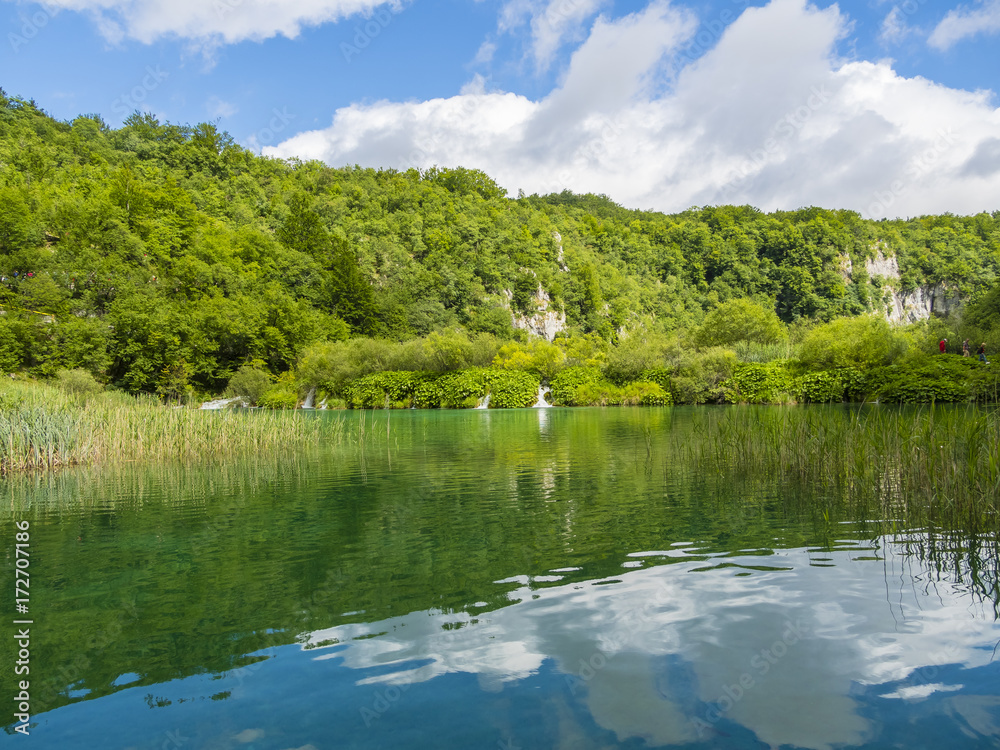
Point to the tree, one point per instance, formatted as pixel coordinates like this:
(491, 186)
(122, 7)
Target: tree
(740, 320)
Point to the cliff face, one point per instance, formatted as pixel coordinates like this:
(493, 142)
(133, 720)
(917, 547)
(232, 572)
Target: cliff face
(544, 322)
(905, 307)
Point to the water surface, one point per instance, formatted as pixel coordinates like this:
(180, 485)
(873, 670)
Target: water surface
(513, 579)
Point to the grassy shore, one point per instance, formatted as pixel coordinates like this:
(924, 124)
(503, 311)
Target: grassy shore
(43, 427)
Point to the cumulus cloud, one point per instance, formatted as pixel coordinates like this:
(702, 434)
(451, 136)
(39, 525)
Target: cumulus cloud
(215, 21)
(770, 116)
(965, 22)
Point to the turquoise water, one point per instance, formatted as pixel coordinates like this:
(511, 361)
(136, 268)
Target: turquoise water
(478, 579)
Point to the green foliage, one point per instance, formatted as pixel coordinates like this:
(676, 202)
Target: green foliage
(586, 386)
(279, 397)
(163, 257)
(758, 383)
(740, 320)
(700, 377)
(537, 355)
(78, 383)
(455, 390)
(863, 342)
(565, 386)
(943, 377)
(513, 389)
(820, 387)
(249, 384)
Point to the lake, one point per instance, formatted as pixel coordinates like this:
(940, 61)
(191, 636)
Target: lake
(538, 578)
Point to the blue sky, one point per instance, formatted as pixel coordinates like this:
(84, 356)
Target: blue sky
(887, 107)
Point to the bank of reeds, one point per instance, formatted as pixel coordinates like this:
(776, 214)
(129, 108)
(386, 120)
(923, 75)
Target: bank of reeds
(42, 427)
(928, 463)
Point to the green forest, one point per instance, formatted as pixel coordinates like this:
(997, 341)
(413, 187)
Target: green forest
(167, 259)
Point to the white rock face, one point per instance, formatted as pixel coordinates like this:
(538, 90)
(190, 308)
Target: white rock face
(545, 323)
(881, 265)
(912, 306)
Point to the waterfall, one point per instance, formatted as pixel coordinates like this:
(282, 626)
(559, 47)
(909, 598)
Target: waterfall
(221, 403)
(485, 403)
(541, 403)
(310, 402)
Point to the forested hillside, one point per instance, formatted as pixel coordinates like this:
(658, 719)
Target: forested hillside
(163, 258)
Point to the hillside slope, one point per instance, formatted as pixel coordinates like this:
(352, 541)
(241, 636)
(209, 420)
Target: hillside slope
(161, 256)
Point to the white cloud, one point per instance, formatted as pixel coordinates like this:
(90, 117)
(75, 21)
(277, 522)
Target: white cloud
(770, 117)
(219, 108)
(552, 25)
(215, 21)
(894, 26)
(965, 22)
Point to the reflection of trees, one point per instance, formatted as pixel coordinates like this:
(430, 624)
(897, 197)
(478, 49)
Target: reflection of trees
(217, 561)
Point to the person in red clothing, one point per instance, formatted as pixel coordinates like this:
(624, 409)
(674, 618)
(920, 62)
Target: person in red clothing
(943, 345)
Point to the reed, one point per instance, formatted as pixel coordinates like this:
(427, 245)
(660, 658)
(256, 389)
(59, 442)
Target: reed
(43, 428)
(926, 464)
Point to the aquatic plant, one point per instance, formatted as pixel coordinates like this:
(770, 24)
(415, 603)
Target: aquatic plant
(42, 427)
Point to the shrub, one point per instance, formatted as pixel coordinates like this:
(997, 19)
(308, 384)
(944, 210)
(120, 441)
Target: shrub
(740, 320)
(564, 386)
(702, 377)
(513, 389)
(928, 378)
(819, 387)
(538, 355)
(279, 397)
(78, 382)
(862, 342)
(758, 383)
(248, 383)
(640, 351)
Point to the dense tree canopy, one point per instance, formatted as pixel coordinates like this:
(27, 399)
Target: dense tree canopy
(161, 256)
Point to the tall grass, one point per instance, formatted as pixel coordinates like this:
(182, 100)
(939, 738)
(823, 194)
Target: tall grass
(928, 464)
(43, 427)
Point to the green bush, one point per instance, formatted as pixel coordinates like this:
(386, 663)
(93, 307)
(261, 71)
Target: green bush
(819, 387)
(928, 378)
(701, 377)
(864, 342)
(740, 320)
(759, 383)
(585, 386)
(78, 382)
(248, 383)
(279, 397)
(513, 389)
(564, 386)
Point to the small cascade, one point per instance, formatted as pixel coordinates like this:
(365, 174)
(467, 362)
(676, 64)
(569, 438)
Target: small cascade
(220, 403)
(485, 403)
(541, 403)
(322, 404)
(310, 402)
